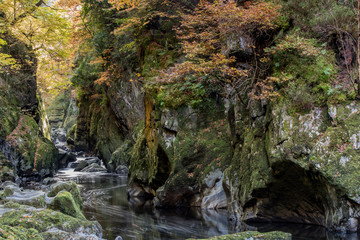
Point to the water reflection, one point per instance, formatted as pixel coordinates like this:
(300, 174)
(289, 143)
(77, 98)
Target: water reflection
(105, 200)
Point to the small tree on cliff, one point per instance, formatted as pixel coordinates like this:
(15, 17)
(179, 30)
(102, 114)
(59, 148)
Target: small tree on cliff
(205, 35)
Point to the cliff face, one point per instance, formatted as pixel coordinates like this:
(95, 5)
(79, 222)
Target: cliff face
(22, 143)
(263, 163)
(292, 158)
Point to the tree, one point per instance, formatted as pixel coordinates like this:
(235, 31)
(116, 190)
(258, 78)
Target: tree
(205, 35)
(45, 30)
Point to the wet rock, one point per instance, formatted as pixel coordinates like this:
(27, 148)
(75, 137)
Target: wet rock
(59, 135)
(123, 170)
(49, 181)
(118, 238)
(65, 203)
(91, 160)
(80, 165)
(71, 187)
(255, 235)
(65, 157)
(94, 168)
(214, 196)
(28, 197)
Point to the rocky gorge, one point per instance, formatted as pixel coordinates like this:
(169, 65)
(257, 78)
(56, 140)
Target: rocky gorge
(277, 141)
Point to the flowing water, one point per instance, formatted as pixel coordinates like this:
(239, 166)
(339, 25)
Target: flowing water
(105, 200)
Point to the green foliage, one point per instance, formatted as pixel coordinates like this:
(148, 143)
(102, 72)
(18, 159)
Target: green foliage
(321, 18)
(6, 59)
(87, 71)
(306, 69)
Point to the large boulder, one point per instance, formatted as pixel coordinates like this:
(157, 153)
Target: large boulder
(71, 187)
(64, 202)
(48, 223)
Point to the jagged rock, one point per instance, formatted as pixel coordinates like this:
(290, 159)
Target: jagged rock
(213, 195)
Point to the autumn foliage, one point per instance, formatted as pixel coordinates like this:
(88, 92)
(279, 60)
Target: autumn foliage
(205, 36)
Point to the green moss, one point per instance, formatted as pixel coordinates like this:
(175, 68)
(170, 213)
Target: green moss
(65, 203)
(255, 235)
(71, 187)
(43, 220)
(7, 232)
(38, 153)
(122, 155)
(9, 113)
(70, 136)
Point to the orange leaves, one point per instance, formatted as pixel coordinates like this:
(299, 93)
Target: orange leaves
(105, 78)
(119, 4)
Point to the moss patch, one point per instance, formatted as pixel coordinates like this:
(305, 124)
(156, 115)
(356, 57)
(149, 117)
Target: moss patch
(7, 232)
(255, 235)
(43, 220)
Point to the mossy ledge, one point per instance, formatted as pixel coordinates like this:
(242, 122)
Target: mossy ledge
(253, 236)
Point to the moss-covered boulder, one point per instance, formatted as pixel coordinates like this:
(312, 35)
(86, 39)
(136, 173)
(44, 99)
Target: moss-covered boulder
(50, 223)
(71, 187)
(65, 203)
(254, 236)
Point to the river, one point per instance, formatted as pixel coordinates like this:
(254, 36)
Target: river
(105, 200)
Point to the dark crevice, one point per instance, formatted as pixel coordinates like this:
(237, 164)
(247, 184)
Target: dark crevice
(298, 195)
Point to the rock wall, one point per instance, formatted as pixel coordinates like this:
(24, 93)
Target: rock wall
(22, 142)
(265, 163)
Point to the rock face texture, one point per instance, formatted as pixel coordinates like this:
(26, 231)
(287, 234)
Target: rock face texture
(262, 160)
(22, 142)
(265, 163)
